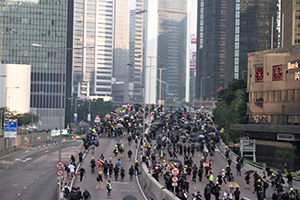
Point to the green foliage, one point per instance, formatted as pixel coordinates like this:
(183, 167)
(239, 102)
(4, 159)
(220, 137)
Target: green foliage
(286, 154)
(232, 109)
(22, 118)
(228, 94)
(98, 107)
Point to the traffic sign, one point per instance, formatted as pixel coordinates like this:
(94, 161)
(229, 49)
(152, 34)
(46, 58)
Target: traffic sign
(175, 171)
(60, 165)
(60, 172)
(10, 129)
(174, 179)
(174, 184)
(75, 117)
(97, 119)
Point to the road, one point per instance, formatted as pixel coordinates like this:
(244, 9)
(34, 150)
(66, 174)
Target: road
(220, 163)
(120, 189)
(32, 173)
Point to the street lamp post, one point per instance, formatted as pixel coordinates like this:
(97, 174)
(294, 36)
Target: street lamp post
(1, 76)
(202, 86)
(61, 85)
(160, 74)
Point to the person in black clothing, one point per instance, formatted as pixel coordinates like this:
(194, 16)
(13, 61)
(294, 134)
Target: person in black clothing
(79, 196)
(110, 168)
(93, 165)
(217, 190)
(86, 195)
(200, 173)
(237, 194)
(129, 155)
(238, 169)
(81, 172)
(131, 172)
(116, 171)
(80, 156)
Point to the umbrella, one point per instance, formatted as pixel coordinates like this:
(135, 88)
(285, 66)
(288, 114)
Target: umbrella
(175, 160)
(181, 129)
(250, 171)
(164, 134)
(201, 136)
(182, 136)
(197, 144)
(129, 197)
(232, 185)
(160, 142)
(117, 139)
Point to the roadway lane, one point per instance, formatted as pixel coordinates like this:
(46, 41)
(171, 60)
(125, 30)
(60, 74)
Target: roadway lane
(120, 189)
(32, 173)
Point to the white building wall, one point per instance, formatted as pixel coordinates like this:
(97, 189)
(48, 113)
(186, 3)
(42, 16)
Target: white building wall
(17, 99)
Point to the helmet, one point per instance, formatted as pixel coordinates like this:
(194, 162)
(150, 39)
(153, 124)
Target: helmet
(193, 194)
(100, 172)
(92, 157)
(164, 160)
(223, 170)
(185, 166)
(147, 157)
(136, 161)
(227, 165)
(217, 183)
(272, 174)
(259, 180)
(202, 158)
(226, 147)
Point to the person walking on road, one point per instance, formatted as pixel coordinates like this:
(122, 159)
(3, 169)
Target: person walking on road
(129, 155)
(100, 181)
(122, 174)
(93, 165)
(131, 172)
(109, 188)
(81, 173)
(238, 169)
(86, 194)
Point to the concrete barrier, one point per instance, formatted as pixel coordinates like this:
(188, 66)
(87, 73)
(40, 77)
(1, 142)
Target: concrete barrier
(153, 188)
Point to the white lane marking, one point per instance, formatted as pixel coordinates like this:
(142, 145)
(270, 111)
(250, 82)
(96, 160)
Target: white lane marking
(25, 188)
(246, 198)
(19, 194)
(31, 181)
(46, 151)
(15, 185)
(195, 188)
(18, 159)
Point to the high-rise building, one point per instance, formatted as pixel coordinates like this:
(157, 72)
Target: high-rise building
(121, 51)
(136, 51)
(43, 22)
(237, 28)
(93, 25)
(211, 36)
(290, 15)
(172, 47)
(249, 29)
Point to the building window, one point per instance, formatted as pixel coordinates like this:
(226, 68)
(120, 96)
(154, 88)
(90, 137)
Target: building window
(277, 73)
(259, 74)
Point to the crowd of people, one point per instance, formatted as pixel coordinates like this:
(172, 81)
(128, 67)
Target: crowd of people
(172, 135)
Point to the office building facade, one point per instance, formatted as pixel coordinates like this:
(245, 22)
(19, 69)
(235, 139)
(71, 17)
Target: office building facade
(251, 26)
(211, 41)
(93, 25)
(42, 22)
(274, 104)
(172, 48)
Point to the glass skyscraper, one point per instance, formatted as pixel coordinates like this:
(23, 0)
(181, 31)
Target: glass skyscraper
(43, 22)
(171, 45)
(249, 29)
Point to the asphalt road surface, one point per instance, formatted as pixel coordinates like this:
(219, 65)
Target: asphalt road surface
(32, 173)
(120, 189)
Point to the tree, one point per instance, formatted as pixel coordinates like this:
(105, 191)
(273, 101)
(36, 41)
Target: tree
(232, 108)
(25, 118)
(287, 154)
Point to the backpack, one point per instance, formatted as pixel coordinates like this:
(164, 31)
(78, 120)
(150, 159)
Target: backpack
(98, 178)
(67, 191)
(207, 190)
(107, 186)
(73, 195)
(86, 195)
(292, 195)
(266, 185)
(96, 143)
